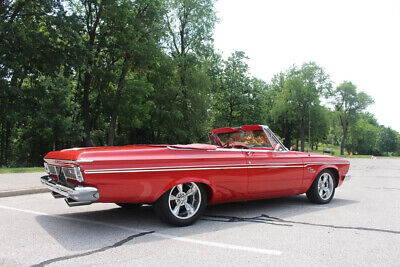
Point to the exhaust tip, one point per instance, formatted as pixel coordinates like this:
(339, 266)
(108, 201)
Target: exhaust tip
(73, 203)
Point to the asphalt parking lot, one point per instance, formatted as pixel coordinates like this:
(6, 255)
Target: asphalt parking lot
(361, 226)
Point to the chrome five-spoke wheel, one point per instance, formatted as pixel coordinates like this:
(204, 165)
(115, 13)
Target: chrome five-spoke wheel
(183, 204)
(322, 189)
(184, 200)
(325, 186)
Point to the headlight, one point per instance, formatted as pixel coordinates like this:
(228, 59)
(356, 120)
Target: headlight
(73, 173)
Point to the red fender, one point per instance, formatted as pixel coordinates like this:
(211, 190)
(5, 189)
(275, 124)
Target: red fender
(320, 169)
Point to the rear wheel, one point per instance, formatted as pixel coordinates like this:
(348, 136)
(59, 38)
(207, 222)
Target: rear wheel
(322, 189)
(129, 205)
(183, 204)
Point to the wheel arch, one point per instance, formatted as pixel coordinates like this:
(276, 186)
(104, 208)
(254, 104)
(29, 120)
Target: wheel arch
(332, 168)
(206, 183)
(335, 173)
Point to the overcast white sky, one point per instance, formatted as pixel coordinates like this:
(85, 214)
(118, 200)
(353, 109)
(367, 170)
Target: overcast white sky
(357, 41)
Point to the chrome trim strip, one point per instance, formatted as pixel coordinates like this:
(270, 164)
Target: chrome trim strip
(84, 160)
(178, 148)
(326, 163)
(244, 150)
(210, 167)
(209, 150)
(226, 150)
(264, 151)
(81, 194)
(72, 161)
(155, 170)
(198, 168)
(277, 166)
(280, 163)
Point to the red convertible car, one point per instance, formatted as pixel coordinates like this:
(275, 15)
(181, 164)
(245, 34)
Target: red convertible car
(239, 164)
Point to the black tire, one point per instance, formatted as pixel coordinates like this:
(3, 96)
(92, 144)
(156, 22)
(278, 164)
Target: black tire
(314, 192)
(165, 211)
(129, 205)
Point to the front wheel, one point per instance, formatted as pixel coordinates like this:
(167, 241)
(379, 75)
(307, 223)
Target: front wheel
(322, 189)
(183, 204)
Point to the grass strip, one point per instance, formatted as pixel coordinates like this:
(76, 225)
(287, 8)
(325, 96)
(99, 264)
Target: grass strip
(21, 170)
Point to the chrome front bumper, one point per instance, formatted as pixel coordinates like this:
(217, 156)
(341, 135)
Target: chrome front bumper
(347, 177)
(78, 193)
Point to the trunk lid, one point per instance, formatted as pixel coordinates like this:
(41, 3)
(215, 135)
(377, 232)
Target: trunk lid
(87, 154)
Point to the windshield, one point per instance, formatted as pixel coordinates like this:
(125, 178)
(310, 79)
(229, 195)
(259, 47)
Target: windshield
(255, 138)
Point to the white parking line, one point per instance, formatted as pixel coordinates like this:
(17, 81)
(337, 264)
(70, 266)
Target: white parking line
(166, 236)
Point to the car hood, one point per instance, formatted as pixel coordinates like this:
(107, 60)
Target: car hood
(315, 156)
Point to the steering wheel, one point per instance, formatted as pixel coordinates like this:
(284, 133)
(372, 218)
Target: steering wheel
(226, 145)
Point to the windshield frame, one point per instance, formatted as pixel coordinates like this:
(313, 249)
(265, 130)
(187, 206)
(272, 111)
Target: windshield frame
(268, 130)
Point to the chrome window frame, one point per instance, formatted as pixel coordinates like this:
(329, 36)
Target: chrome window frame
(276, 139)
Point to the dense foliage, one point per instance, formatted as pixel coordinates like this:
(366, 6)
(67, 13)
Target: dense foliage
(115, 72)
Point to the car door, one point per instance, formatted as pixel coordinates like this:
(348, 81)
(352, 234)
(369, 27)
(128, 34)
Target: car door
(274, 172)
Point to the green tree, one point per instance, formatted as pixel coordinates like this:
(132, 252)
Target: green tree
(296, 93)
(319, 124)
(137, 27)
(48, 121)
(279, 113)
(114, 72)
(349, 104)
(190, 26)
(239, 98)
(311, 84)
(119, 37)
(38, 40)
(388, 140)
(364, 135)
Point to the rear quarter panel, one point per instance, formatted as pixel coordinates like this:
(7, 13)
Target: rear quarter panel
(144, 177)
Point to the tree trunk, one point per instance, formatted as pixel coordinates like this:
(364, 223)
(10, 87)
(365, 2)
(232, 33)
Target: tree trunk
(302, 136)
(7, 143)
(88, 78)
(86, 110)
(230, 116)
(111, 131)
(2, 144)
(343, 141)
